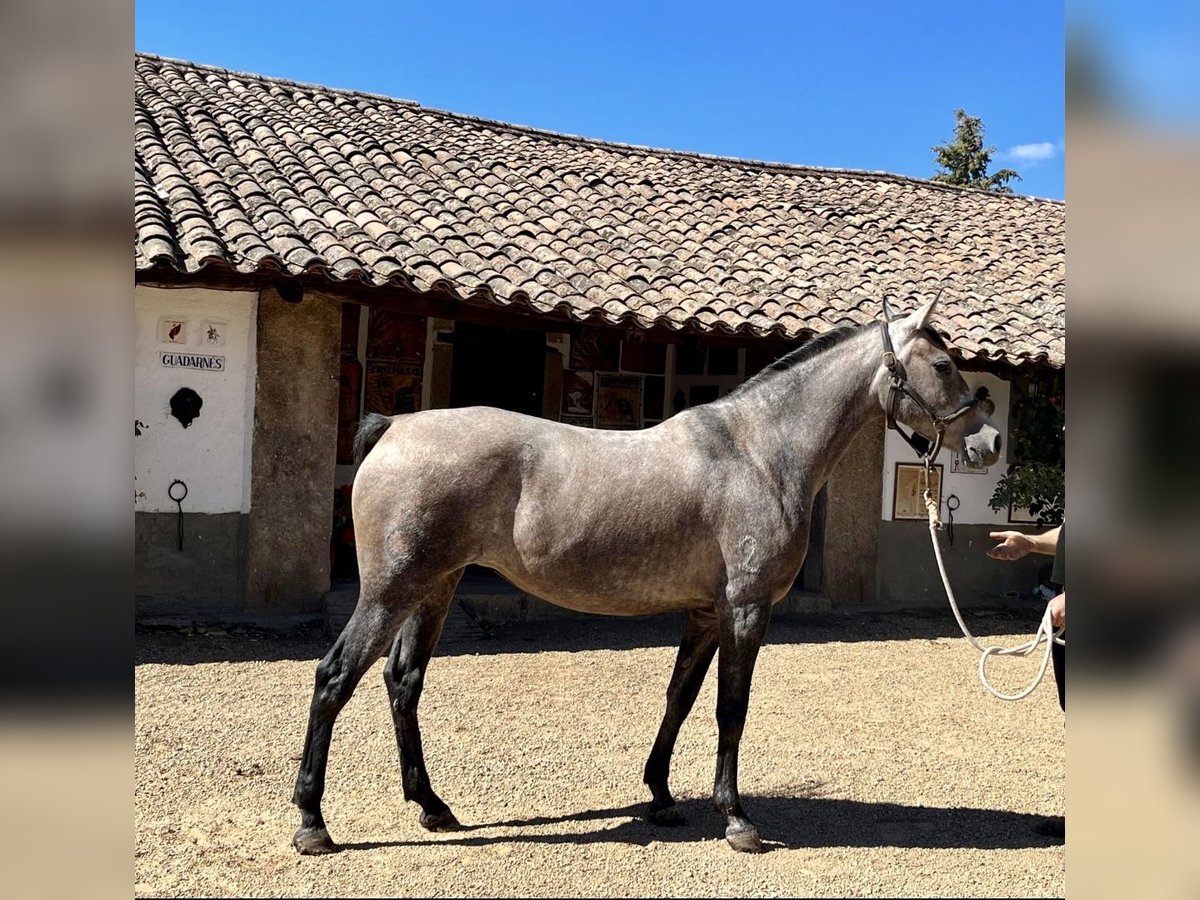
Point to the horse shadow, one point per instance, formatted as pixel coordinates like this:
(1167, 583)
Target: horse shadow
(785, 823)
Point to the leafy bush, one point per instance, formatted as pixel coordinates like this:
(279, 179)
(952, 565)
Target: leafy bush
(1040, 487)
(1035, 480)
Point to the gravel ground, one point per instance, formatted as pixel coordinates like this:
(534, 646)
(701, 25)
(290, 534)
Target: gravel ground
(872, 762)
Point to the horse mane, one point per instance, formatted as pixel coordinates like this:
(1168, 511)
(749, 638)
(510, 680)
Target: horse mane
(818, 345)
(813, 347)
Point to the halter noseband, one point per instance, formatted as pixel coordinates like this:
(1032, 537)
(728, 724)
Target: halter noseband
(898, 384)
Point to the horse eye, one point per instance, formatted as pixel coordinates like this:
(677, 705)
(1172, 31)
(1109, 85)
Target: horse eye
(943, 366)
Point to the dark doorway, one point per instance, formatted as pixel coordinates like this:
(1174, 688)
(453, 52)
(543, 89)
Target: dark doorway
(812, 573)
(501, 367)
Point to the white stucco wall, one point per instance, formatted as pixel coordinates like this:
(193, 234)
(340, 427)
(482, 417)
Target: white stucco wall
(973, 491)
(211, 455)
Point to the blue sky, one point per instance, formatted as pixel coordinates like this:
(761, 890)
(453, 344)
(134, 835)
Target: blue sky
(860, 85)
(1149, 53)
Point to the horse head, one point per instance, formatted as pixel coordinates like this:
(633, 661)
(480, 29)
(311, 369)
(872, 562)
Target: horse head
(921, 387)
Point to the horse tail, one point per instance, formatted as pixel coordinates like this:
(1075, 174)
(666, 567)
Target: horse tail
(370, 430)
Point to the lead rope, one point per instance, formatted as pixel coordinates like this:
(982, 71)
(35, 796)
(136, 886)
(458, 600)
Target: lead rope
(1045, 630)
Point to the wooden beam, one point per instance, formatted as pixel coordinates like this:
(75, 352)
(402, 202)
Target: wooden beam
(440, 305)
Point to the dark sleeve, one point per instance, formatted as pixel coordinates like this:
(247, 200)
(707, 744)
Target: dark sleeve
(1059, 573)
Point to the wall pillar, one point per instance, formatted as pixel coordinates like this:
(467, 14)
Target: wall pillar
(853, 511)
(294, 451)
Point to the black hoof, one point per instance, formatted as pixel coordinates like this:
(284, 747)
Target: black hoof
(443, 821)
(744, 839)
(313, 842)
(666, 815)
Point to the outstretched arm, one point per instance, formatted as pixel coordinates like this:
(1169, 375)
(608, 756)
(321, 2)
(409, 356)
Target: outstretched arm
(1015, 545)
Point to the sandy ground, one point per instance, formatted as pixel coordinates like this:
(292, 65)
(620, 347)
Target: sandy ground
(872, 762)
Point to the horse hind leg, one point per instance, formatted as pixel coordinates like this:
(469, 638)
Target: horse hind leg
(364, 639)
(696, 650)
(404, 676)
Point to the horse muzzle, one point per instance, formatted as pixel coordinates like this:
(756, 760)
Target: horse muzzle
(983, 447)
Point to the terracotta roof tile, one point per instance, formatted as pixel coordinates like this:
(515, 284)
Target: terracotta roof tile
(247, 172)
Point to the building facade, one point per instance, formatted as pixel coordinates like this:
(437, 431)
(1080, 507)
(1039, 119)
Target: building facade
(305, 255)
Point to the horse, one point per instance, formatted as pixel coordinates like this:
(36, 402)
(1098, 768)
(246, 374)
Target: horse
(706, 513)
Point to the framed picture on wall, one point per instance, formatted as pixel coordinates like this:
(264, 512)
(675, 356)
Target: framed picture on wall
(578, 389)
(618, 401)
(595, 348)
(1020, 515)
(960, 465)
(908, 500)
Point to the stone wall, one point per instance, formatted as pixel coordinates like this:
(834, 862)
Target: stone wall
(853, 509)
(294, 449)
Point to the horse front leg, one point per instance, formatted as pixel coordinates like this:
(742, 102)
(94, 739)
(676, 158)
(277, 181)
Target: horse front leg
(696, 651)
(742, 627)
(404, 676)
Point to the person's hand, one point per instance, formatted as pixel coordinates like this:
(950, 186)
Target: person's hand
(1058, 610)
(1013, 545)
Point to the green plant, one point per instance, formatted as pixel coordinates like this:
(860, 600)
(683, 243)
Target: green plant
(1035, 480)
(1039, 487)
(965, 160)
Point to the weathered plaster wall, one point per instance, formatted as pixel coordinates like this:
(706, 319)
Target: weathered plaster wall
(909, 576)
(908, 573)
(294, 453)
(208, 577)
(211, 455)
(852, 521)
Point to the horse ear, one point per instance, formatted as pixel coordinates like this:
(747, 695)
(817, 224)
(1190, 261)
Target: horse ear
(920, 319)
(888, 315)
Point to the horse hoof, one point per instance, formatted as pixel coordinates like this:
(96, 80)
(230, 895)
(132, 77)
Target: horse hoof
(313, 842)
(443, 821)
(666, 815)
(744, 839)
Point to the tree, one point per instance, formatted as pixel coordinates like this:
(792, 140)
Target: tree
(965, 161)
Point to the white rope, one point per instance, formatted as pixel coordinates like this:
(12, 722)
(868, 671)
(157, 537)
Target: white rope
(1045, 632)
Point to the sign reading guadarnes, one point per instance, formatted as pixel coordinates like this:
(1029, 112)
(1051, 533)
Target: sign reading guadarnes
(204, 361)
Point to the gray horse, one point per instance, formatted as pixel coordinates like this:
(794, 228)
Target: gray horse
(707, 513)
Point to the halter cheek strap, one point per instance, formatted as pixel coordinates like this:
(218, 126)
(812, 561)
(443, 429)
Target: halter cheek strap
(897, 385)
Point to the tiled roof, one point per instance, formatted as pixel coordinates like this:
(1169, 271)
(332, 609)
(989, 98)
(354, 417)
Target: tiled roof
(251, 173)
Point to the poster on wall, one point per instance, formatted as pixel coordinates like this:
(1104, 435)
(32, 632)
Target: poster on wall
(396, 336)
(1020, 515)
(577, 389)
(392, 388)
(618, 401)
(395, 362)
(594, 348)
(212, 334)
(908, 500)
(172, 331)
(960, 465)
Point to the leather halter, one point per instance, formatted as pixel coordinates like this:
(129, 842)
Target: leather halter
(898, 384)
